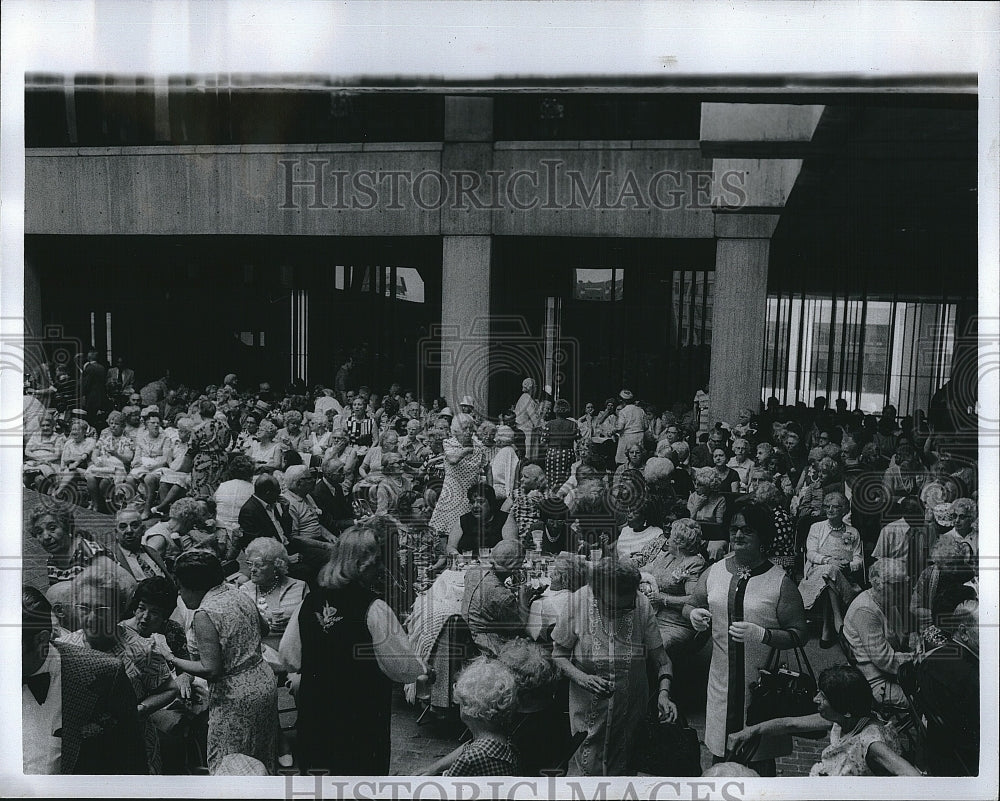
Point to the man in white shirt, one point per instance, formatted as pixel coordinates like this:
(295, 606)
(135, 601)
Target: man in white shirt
(78, 708)
(326, 402)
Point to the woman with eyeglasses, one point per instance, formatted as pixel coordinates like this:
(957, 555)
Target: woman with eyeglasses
(101, 600)
(751, 606)
(602, 644)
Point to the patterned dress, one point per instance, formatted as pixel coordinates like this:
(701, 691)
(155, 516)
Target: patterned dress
(243, 702)
(208, 445)
(454, 501)
(85, 551)
(615, 649)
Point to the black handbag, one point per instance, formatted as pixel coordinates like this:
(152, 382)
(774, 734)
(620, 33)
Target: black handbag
(780, 692)
(666, 749)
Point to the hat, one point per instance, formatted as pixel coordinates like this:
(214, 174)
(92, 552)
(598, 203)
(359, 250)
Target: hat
(83, 412)
(626, 395)
(446, 412)
(467, 401)
(944, 515)
(262, 406)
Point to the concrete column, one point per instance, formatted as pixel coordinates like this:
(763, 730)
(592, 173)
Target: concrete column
(738, 314)
(467, 252)
(465, 310)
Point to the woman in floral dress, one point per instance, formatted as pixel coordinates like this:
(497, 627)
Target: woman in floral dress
(464, 463)
(209, 441)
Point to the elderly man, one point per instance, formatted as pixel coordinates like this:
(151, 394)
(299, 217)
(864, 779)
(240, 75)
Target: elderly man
(336, 514)
(141, 561)
(875, 630)
(494, 604)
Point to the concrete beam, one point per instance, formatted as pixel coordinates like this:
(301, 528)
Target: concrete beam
(757, 129)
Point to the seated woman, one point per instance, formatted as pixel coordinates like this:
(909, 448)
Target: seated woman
(566, 575)
(76, 455)
(42, 453)
(265, 451)
(641, 528)
(951, 568)
(276, 594)
(102, 599)
(728, 477)
(110, 461)
(486, 692)
(390, 485)
(676, 562)
(235, 490)
(69, 549)
(170, 482)
(484, 525)
(707, 506)
(176, 534)
(833, 549)
(860, 743)
(371, 465)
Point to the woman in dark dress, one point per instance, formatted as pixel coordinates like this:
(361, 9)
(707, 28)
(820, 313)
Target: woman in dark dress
(484, 525)
(349, 648)
(209, 441)
(558, 437)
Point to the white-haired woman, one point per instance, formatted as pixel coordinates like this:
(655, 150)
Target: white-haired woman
(276, 594)
(76, 455)
(676, 562)
(528, 417)
(707, 506)
(966, 524)
(487, 694)
(265, 451)
(176, 534)
(349, 648)
(950, 569)
(101, 600)
(464, 462)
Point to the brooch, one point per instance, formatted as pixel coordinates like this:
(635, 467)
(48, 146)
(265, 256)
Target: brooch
(328, 618)
(743, 573)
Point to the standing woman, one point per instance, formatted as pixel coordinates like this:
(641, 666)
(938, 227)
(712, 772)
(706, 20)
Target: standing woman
(528, 417)
(751, 606)
(344, 695)
(209, 441)
(560, 434)
(243, 692)
(464, 462)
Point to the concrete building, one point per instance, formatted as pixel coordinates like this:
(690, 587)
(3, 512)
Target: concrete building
(456, 239)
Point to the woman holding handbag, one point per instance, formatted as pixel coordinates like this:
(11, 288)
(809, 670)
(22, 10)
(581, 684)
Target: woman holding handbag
(751, 606)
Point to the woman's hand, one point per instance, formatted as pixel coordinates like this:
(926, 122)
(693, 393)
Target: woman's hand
(745, 631)
(595, 684)
(667, 709)
(701, 619)
(183, 682)
(738, 738)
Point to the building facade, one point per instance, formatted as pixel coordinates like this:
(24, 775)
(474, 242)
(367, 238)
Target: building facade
(457, 240)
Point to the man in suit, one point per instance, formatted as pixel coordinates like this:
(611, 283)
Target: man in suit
(266, 514)
(337, 515)
(78, 708)
(139, 560)
(93, 385)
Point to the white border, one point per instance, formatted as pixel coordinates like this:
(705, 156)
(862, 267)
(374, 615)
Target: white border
(483, 41)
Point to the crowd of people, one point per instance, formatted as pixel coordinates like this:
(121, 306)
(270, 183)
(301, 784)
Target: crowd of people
(267, 538)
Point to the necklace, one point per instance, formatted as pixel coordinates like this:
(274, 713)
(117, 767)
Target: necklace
(262, 593)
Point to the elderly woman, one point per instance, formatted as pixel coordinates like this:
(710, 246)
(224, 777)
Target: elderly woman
(371, 465)
(505, 463)
(558, 436)
(69, 550)
(243, 692)
(833, 549)
(602, 645)
(860, 743)
(171, 481)
(359, 425)
(276, 594)
(102, 598)
(966, 527)
(345, 703)
(707, 506)
(76, 455)
(676, 563)
(293, 437)
(42, 453)
(742, 462)
(951, 567)
(169, 537)
(641, 528)
(391, 485)
(487, 695)
(109, 461)
(566, 575)
(265, 451)
(209, 440)
(527, 415)
(751, 606)
(465, 462)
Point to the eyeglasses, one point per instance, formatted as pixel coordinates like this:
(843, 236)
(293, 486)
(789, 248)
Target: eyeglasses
(133, 524)
(258, 564)
(743, 529)
(86, 609)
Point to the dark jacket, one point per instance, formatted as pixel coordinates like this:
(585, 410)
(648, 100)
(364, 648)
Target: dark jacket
(336, 508)
(256, 522)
